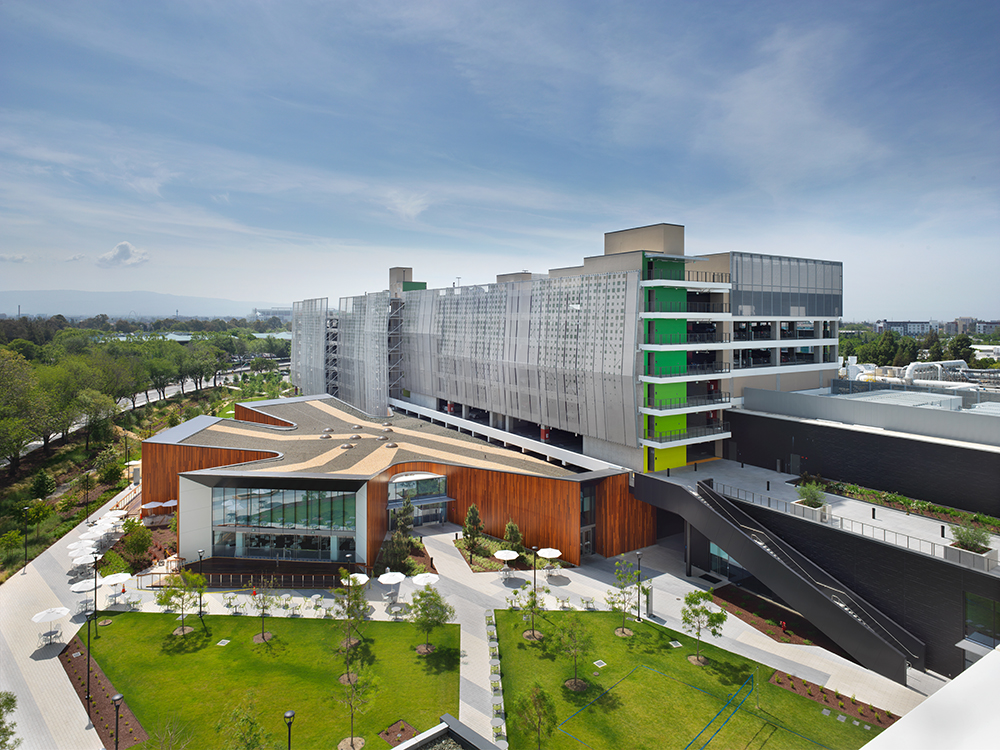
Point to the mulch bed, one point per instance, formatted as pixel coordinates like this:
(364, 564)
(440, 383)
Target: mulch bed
(261, 638)
(101, 690)
(422, 557)
(863, 712)
(576, 684)
(348, 678)
(398, 733)
(623, 632)
(426, 648)
(533, 635)
(756, 611)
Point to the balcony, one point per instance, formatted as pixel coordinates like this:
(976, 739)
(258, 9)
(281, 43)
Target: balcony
(687, 307)
(667, 339)
(686, 403)
(704, 277)
(711, 368)
(805, 333)
(691, 433)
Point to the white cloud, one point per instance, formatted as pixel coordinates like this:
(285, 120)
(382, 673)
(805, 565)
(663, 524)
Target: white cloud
(125, 254)
(13, 258)
(74, 258)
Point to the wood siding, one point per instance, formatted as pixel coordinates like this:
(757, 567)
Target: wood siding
(163, 462)
(624, 523)
(247, 414)
(545, 509)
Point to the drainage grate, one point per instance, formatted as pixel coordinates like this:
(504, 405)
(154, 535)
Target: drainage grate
(222, 643)
(600, 664)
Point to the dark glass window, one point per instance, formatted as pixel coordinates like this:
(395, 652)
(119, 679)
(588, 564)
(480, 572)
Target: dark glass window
(982, 620)
(588, 505)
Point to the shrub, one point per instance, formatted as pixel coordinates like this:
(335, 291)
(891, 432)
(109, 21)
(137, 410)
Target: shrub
(114, 563)
(43, 485)
(971, 538)
(811, 495)
(111, 474)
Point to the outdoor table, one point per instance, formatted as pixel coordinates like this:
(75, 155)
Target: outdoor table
(495, 677)
(316, 597)
(502, 744)
(588, 601)
(497, 721)
(493, 643)
(50, 635)
(494, 662)
(497, 700)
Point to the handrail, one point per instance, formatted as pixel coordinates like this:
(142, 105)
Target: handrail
(662, 274)
(127, 496)
(867, 530)
(682, 307)
(666, 339)
(789, 559)
(681, 403)
(691, 432)
(711, 368)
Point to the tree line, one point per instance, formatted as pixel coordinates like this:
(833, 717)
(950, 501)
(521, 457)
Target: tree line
(42, 330)
(890, 348)
(83, 375)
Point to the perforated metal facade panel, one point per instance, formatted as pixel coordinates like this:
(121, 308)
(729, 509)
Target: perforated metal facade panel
(560, 352)
(308, 366)
(363, 360)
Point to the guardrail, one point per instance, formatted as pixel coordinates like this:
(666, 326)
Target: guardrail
(683, 403)
(712, 277)
(126, 496)
(675, 436)
(879, 533)
(666, 339)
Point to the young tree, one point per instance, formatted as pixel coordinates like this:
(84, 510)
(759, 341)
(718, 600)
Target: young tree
(697, 615)
(574, 641)
(512, 536)
(182, 592)
(473, 529)
(960, 347)
(532, 603)
(19, 407)
(11, 540)
(240, 728)
(623, 597)
(98, 411)
(357, 695)
(429, 610)
(43, 485)
(85, 482)
(404, 517)
(351, 609)
(8, 703)
(38, 511)
(262, 599)
(534, 712)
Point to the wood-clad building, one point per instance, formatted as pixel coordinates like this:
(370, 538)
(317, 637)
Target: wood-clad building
(307, 480)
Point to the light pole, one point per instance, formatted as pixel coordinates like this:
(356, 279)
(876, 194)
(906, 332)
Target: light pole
(201, 554)
(638, 594)
(117, 698)
(90, 617)
(289, 716)
(95, 586)
(24, 511)
(534, 588)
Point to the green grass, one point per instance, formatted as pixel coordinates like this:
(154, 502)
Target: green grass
(229, 412)
(195, 681)
(666, 701)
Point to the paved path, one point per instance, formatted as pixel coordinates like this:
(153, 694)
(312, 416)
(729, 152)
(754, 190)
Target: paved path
(49, 715)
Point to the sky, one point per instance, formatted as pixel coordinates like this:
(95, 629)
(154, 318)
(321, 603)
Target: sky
(278, 151)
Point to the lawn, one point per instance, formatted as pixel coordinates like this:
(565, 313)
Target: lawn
(650, 696)
(197, 682)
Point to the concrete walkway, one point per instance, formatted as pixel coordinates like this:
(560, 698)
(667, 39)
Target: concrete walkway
(49, 715)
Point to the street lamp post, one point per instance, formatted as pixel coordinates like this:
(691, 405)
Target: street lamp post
(24, 510)
(534, 588)
(289, 716)
(95, 585)
(117, 698)
(201, 554)
(638, 595)
(90, 617)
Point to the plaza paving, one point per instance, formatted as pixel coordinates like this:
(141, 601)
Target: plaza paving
(49, 715)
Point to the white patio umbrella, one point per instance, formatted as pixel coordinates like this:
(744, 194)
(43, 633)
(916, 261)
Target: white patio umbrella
(549, 553)
(150, 506)
(506, 555)
(92, 534)
(170, 504)
(357, 579)
(86, 559)
(392, 578)
(115, 578)
(84, 586)
(117, 513)
(426, 579)
(82, 544)
(50, 614)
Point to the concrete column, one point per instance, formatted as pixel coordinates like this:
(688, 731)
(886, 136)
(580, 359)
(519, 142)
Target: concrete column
(465, 411)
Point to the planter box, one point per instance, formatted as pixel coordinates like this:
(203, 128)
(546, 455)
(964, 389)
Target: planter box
(820, 515)
(976, 560)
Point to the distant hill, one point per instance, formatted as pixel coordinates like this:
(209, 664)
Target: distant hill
(72, 303)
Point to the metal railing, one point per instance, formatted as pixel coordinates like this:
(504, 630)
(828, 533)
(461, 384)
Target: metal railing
(691, 433)
(805, 333)
(663, 274)
(663, 339)
(683, 403)
(710, 368)
(683, 307)
(126, 496)
(879, 533)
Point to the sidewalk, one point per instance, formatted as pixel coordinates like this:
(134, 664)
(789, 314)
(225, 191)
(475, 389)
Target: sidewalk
(50, 716)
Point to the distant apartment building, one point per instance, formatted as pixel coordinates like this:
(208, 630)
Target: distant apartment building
(284, 314)
(904, 327)
(632, 357)
(987, 326)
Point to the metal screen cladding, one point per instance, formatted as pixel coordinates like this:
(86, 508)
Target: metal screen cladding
(363, 352)
(308, 367)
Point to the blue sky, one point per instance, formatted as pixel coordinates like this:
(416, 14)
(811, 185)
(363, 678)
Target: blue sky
(279, 151)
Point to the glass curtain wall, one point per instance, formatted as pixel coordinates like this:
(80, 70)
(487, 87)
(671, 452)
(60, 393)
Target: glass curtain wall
(283, 523)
